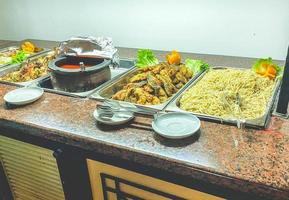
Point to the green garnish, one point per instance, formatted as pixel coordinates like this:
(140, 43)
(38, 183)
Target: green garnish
(19, 57)
(266, 68)
(196, 65)
(146, 57)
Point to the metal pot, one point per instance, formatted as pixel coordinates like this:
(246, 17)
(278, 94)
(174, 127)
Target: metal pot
(81, 79)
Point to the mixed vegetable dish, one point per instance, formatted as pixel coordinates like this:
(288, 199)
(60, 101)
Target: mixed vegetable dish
(30, 70)
(18, 55)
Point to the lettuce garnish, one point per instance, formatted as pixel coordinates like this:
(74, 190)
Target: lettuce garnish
(145, 57)
(196, 65)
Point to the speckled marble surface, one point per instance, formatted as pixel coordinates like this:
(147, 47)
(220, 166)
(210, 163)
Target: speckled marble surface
(245, 160)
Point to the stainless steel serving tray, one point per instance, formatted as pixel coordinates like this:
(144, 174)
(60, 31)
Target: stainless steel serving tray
(259, 123)
(17, 48)
(45, 83)
(113, 86)
(4, 50)
(12, 68)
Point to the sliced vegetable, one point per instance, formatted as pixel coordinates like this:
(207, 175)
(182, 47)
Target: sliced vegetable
(19, 57)
(28, 47)
(174, 58)
(196, 65)
(266, 68)
(146, 57)
(37, 49)
(5, 60)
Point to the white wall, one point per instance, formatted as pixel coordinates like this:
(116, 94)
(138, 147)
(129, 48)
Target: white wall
(253, 28)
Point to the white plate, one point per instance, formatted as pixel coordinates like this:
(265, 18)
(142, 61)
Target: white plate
(116, 119)
(176, 125)
(23, 96)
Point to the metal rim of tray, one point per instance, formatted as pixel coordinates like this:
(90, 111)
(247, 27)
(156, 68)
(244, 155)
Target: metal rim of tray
(172, 106)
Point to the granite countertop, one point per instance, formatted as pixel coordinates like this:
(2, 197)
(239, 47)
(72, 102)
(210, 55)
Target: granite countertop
(247, 160)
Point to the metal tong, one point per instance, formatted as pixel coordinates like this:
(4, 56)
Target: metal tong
(109, 108)
(240, 122)
(106, 112)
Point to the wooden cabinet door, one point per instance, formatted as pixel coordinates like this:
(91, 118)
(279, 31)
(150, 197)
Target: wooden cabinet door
(113, 183)
(31, 171)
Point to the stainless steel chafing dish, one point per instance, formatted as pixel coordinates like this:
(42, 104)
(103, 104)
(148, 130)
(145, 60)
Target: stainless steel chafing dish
(259, 123)
(82, 79)
(12, 68)
(90, 58)
(46, 83)
(12, 48)
(107, 91)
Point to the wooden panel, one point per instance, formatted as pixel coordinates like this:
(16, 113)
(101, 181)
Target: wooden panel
(31, 171)
(97, 169)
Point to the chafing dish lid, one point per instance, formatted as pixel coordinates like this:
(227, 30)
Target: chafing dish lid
(100, 47)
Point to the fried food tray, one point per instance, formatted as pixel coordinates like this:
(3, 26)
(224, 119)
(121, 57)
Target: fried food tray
(12, 68)
(3, 50)
(258, 123)
(113, 86)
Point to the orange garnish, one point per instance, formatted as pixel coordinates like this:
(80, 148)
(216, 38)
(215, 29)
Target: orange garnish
(174, 58)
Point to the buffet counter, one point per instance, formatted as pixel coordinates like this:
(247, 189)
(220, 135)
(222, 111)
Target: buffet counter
(224, 161)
